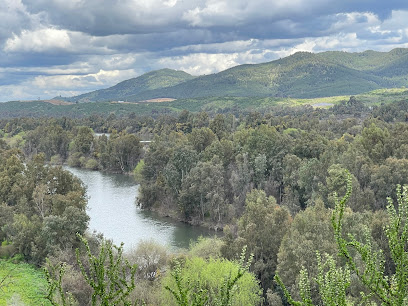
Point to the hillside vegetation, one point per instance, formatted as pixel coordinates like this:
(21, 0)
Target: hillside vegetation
(16, 109)
(301, 75)
(137, 86)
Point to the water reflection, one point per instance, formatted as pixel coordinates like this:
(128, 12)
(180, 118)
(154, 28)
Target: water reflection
(112, 211)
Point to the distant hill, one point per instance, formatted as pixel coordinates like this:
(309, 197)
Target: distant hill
(301, 75)
(137, 86)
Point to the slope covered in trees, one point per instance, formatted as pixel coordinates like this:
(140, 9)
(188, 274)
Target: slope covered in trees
(301, 75)
(211, 105)
(137, 86)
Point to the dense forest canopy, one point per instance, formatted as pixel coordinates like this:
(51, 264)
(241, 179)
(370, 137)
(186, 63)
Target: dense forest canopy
(267, 178)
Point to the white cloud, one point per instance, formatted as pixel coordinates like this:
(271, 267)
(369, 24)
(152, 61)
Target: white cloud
(398, 20)
(51, 40)
(26, 91)
(39, 41)
(349, 21)
(46, 87)
(170, 3)
(342, 42)
(14, 17)
(82, 81)
(205, 63)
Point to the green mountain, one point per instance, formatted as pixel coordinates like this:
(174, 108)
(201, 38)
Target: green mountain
(136, 86)
(301, 75)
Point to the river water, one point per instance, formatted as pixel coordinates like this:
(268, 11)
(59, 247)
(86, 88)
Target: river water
(112, 211)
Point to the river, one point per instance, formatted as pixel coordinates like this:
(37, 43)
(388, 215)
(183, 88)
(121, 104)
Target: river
(112, 211)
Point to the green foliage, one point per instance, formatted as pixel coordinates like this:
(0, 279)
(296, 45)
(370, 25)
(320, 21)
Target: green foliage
(261, 228)
(83, 141)
(332, 281)
(207, 248)
(202, 192)
(200, 167)
(309, 232)
(43, 207)
(125, 151)
(137, 172)
(302, 75)
(127, 89)
(212, 282)
(21, 284)
(211, 104)
(389, 289)
(56, 294)
(110, 276)
(92, 164)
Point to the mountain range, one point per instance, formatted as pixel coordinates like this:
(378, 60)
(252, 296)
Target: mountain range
(301, 75)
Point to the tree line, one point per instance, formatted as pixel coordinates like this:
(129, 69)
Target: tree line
(267, 179)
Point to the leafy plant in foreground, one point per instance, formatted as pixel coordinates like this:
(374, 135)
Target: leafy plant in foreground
(111, 277)
(388, 289)
(197, 293)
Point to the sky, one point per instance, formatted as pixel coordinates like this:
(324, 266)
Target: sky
(68, 47)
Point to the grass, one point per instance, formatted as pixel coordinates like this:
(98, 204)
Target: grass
(23, 284)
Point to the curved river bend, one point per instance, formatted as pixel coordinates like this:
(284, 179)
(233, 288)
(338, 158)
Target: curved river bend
(112, 211)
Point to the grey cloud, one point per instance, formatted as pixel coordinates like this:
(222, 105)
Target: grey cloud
(139, 35)
(109, 17)
(14, 18)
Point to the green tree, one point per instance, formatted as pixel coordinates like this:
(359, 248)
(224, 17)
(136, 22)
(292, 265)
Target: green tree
(261, 227)
(364, 260)
(217, 282)
(201, 138)
(48, 139)
(202, 194)
(309, 232)
(179, 165)
(219, 126)
(83, 141)
(126, 151)
(375, 142)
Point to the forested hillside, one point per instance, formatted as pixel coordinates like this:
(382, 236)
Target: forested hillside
(211, 105)
(137, 86)
(301, 75)
(270, 179)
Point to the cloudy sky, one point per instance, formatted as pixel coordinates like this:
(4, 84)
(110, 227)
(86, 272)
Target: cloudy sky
(68, 47)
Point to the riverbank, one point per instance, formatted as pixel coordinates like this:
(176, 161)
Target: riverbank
(113, 212)
(217, 228)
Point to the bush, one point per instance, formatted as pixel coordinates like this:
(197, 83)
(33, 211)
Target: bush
(151, 259)
(137, 172)
(74, 159)
(210, 280)
(92, 164)
(207, 248)
(56, 160)
(7, 251)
